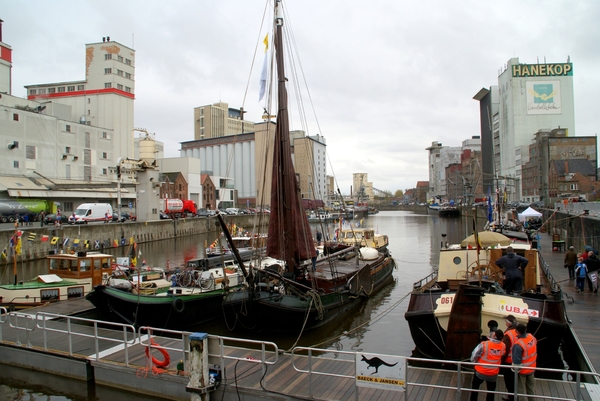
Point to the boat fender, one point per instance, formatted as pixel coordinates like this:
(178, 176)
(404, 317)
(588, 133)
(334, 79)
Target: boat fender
(178, 305)
(161, 364)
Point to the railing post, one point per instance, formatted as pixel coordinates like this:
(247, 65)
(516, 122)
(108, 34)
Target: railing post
(310, 373)
(199, 380)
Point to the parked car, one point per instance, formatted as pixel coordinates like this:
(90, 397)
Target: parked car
(202, 213)
(115, 217)
(51, 218)
(164, 216)
(128, 216)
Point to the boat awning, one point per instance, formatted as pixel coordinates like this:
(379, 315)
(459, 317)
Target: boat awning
(112, 194)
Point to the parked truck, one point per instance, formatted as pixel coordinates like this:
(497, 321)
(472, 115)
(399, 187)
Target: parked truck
(175, 208)
(10, 209)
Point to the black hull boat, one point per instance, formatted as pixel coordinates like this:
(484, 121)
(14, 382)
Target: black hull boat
(168, 311)
(290, 305)
(187, 298)
(298, 289)
(449, 311)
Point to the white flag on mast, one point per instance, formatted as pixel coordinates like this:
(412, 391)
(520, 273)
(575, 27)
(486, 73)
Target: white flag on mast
(263, 74)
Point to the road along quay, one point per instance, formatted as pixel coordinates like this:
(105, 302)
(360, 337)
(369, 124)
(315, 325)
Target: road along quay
(117, 356)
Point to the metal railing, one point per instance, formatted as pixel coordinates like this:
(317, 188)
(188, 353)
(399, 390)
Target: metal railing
(571, 376)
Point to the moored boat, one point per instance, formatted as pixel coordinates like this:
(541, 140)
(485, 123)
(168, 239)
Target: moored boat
(185, 298)
(68, 276)
(362, 237)
(451, 309)
(300, 292)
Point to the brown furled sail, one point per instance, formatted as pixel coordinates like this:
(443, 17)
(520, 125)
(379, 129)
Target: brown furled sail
(464, 325)
(290, 238)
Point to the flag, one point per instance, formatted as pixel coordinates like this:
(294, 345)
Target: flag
(18, 246)
(86, 244)
(76, 241)
(31, 237)
(263, 73)
(54, 240)
(123, 242)
(45, 238)
(66, 242)
(4, 254)
(97, 244)
(115, 243)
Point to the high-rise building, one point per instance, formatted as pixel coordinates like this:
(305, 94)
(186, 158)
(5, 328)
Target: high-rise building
(528, 98)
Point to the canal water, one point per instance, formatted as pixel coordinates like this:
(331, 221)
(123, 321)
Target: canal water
(378, 327)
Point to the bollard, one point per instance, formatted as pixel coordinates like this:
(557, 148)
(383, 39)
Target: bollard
(199, 380)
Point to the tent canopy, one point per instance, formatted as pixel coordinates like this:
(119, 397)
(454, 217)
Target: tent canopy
(529, 212)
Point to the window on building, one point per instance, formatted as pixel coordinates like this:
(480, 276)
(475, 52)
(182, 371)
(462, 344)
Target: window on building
(80, 87)
(104, 135)
(108, 56)
(120, 58)
(15, 163)
(61, 89)
(108, 70)
(104, 171)
(71, 88)
(128, 89)
(127, 61)
(120, 73)
(68, 128)
(127, 75)
(30, 152)
(108, 85)
(32, 91)
(51, 90)
(68, 150)
(42, 91)
(119, 87)
(104, 155)
(15, 117)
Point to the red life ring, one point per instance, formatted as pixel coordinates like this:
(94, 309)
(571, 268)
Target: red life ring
(161, 364)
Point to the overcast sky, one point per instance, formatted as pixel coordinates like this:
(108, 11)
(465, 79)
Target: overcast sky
(386, 77)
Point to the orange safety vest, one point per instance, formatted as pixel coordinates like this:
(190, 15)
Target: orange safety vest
(512, 334)
(529, 346)
(491, 353)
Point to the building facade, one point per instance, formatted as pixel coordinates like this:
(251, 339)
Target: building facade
(218, 119)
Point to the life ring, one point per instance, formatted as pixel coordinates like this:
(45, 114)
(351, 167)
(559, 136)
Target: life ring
(178, 305)
(161, 364)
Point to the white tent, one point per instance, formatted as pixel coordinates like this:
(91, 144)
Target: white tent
(529, 212)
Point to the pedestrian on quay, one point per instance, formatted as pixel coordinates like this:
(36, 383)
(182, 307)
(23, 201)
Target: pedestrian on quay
(571, 261)
(488, 352)
(42, 217)
(524, 354)
(593, 265)
(510, 336)
(513, 266)
(580, 274)
(319, 237)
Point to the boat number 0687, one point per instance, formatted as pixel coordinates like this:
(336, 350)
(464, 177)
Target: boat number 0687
(447, 300)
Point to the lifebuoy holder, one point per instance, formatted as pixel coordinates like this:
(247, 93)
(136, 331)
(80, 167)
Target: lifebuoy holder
(161, 364)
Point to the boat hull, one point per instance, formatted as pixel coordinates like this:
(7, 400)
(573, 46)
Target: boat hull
(168, 311)
(273, 311)
(428, 316)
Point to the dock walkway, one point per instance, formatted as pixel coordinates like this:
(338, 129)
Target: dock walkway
(115, 355)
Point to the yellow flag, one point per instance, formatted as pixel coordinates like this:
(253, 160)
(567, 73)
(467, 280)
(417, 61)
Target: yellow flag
(54, 240)
(18, 246)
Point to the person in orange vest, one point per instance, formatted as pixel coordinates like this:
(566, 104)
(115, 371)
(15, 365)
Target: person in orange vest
(488, 352)
(510, 336)
(524, 355)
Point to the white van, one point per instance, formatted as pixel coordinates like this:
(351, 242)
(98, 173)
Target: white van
(87, 212)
